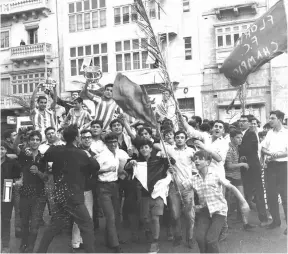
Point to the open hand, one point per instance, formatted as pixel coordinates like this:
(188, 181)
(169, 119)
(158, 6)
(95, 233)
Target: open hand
(199, 144)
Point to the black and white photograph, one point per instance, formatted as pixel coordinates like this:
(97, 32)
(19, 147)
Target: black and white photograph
(144, 126)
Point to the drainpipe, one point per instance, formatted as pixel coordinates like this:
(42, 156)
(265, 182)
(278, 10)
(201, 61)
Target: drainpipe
(270, 70)
(58, 51)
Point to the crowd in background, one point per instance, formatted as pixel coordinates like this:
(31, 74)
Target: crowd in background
(91, 166)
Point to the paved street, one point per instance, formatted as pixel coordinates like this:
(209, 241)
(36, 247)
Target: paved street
(258, 241)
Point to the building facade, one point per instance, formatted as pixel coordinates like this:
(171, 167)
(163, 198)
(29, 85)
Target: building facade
(28, 51)
(223, 22)
(104, 33)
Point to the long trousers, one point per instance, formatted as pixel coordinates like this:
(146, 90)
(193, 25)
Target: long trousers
(61, 218)
(6, 212)
(16, 204)
(31, 209)
(208, 230)
(108, 193)
(176, 208)
(253, 181)
(276, 184)
(88, 202)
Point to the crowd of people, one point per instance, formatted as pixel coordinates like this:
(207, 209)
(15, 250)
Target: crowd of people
(87, 166)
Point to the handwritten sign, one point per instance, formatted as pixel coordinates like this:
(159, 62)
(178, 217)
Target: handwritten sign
(265, 39)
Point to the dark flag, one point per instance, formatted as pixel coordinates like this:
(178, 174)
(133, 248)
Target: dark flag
(265, 39)
(132, 100)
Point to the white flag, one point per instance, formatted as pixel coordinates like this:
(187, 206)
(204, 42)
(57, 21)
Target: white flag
(140, 172)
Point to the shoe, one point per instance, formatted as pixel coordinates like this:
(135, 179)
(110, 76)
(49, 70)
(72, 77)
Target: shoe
(23, 248)
(154, 248)
(248, 226)
(191, 243)
(117, 249)
(80, 247)
(273, 225)
(285, 232)
(177, 241)
(6, 250)
(223, 235)
(264, 224)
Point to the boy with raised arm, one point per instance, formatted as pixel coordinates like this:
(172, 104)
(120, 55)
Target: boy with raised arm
(212, 211)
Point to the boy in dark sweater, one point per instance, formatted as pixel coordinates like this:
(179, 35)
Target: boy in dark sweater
(151, 209)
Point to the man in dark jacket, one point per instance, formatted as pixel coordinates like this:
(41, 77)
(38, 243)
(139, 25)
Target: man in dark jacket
(69, 168)
(248, 153)
(10, 169)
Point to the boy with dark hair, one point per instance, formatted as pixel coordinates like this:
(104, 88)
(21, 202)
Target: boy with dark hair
(77, 115)
(152, 208)
(41, 116)
(212, 211)
(105, 106)
(9, 138)
(32, 193)
(232, 167)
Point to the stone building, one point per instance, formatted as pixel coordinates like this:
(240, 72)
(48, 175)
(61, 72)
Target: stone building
(32, 23)
(222, 23)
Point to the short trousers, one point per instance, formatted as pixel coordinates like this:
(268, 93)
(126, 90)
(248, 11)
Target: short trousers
(150, 206)
(235, 182)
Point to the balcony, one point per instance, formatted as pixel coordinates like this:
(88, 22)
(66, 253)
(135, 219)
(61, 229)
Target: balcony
(33, 51)
(11, 103)
(20, 6)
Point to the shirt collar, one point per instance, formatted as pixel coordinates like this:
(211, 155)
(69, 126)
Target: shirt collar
(232, 145)
(245, 131)
(178, 149)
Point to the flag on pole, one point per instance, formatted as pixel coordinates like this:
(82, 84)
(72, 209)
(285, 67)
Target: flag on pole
(265, 39)
(132, 100)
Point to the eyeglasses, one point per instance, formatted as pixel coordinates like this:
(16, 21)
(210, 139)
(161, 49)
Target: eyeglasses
(86, 137)
(243, 121)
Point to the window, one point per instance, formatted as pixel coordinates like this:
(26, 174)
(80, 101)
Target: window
(227, 36)
(86, 15)
(130, 56)
(98, 52)
(186, 104)
(127, 14)
(32, 36)
(188, 48)
(5, 39)
(186, 5)
(26, 83)
(5, 86)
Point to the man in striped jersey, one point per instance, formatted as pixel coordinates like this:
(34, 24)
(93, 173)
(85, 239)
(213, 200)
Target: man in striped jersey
(105, 106)
(41, 117)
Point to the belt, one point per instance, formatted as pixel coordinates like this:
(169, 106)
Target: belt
(117, 181)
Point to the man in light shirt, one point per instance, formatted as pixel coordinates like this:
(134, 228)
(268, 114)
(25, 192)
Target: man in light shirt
(184, 169)
(112, 161)
(214, 144)
(276, 148)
